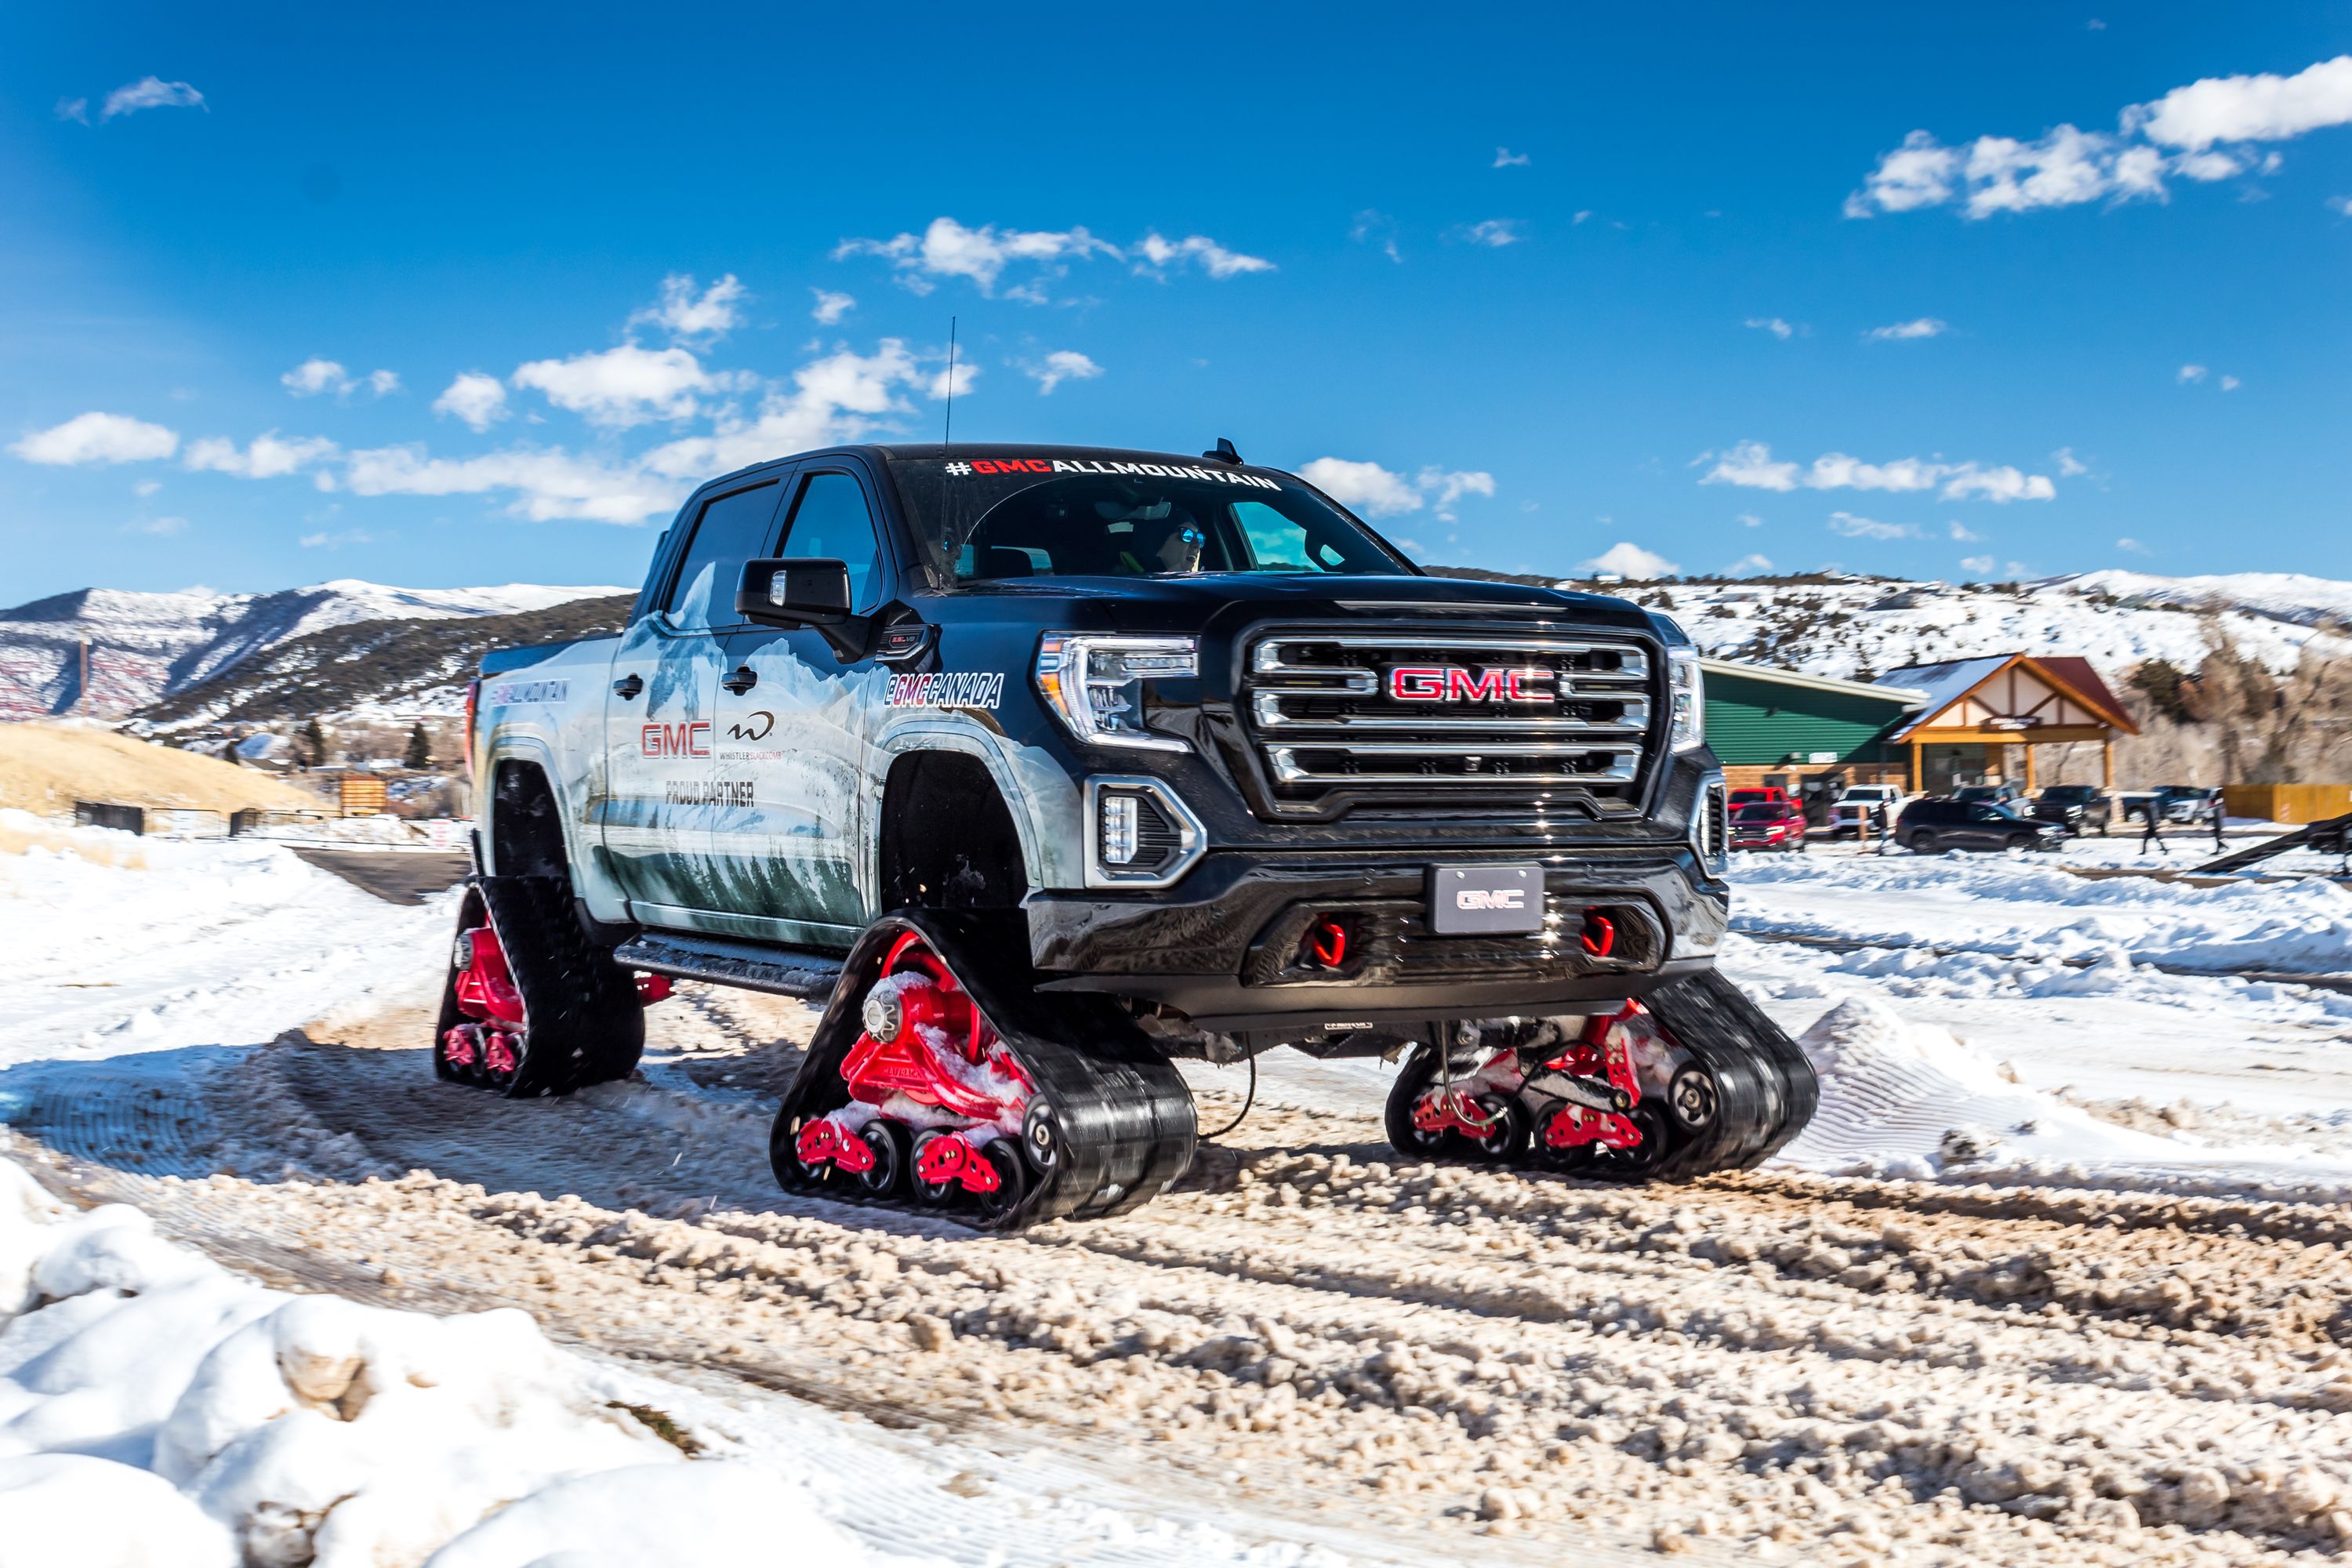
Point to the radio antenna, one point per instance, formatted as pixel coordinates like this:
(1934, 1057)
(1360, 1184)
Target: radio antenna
(947, 436)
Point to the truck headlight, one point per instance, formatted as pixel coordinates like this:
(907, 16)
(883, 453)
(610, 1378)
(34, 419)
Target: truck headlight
(1095, 684)
(1686, 698)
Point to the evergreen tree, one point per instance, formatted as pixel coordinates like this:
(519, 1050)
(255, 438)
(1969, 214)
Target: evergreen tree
(419, 754)
(313, 742)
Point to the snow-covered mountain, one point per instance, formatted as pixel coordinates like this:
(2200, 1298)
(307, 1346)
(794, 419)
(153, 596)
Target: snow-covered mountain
(146, 646)
(1848, 626)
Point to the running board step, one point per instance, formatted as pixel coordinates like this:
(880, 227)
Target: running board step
(750, 966)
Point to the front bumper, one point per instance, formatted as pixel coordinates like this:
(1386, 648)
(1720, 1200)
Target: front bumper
(1227, 947)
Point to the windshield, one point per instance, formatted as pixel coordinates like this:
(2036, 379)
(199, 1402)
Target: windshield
(1978, 792)
(978, 518)
(1760, 811)
(2067, 793)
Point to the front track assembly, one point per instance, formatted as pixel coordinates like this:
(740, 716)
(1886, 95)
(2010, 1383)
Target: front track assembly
(941, 1080)
(1695, 1079)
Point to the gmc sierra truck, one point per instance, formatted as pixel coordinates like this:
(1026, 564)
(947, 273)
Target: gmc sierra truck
(1042, 768)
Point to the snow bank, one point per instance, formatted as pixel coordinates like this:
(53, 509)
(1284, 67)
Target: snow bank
(156, 1410)
(191, 944)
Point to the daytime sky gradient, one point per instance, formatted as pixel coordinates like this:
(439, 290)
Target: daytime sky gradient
(443, 295)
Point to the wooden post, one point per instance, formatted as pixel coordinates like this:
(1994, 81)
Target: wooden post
(2107, 763)
(1917, 777)
(2029, 767)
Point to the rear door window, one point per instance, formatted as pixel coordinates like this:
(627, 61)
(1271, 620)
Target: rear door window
(727, 535)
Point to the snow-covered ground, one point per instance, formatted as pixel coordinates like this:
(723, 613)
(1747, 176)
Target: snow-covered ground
(1981, 1025)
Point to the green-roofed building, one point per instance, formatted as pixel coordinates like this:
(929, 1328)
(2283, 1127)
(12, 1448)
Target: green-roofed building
(1778, 727)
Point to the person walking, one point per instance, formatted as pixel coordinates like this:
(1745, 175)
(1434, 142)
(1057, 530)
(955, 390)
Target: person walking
(2219, 811)
(2152, 830)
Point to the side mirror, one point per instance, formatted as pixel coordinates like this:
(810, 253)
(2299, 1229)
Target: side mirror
(800, 591)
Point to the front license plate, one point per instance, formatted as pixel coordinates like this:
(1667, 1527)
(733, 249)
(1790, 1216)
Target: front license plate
(1471, 900)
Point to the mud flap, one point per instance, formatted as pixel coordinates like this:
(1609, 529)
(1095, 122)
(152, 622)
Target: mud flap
(582, 1021)
(1111, 1122)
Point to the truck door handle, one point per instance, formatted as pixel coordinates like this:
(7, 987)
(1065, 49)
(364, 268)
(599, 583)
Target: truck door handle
(742, 679)
(629, 686)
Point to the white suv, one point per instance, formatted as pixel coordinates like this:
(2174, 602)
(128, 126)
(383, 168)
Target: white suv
(1881, 803)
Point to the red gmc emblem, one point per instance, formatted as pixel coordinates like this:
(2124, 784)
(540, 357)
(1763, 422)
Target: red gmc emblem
(1452, 683)
(675, 740)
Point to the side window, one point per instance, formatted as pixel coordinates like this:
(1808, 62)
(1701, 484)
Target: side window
(727, 535)
(831, 521)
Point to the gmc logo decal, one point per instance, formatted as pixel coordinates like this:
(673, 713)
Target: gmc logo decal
(1452, 683)
(1491, 899)
(675, 740)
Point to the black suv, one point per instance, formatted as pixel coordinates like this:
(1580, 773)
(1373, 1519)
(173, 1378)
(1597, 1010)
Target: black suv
(1932, 826)
(2077, 808)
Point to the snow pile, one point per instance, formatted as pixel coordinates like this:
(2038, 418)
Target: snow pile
(194, 944)
(155, 1410)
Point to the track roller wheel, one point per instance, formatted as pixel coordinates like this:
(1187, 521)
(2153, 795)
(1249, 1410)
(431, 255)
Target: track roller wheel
(1422, 1071)
(894, 1158)
(1603, 1161)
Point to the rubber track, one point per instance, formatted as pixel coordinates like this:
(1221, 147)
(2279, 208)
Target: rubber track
(1122, 1113)
(582, 1021)
(1767, 1088)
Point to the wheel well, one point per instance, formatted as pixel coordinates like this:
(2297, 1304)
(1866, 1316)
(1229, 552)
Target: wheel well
(526, 832)
(947, 840)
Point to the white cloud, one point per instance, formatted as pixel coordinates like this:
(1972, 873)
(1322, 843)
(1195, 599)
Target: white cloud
(1960, 531)
(2231, 384)
(1774, 325)
(840, 397)
(2342, 206)
(1979, 565)
(480, 400)
(1751, 465)
(2176, 135)
(97, 437)
(164, 527)
(1853, 527)
(1366, 488)
(687, 316)
(1157, 254)
(337, 541)
(622, 386)
(948, 249)
(74, 109)
(151, 92)
(146, 488)
(267, 457)
(1495, 231)
(2134, 546)
(2190, 374)
(1625, 559)
(1748, 520)
(1061, 365)
(831, 307)
(1507, 159)
(549, 483)
(2069, 465)
(1924, 327)
(964, 374)
(1376, 492)
(315, 375)
(1371, 225)
(2264, 107)
(1748, 566)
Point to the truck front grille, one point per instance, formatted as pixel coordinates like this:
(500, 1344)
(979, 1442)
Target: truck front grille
(1450, 716)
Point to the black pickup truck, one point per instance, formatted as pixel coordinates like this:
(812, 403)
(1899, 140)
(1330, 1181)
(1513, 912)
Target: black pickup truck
(1045, 767)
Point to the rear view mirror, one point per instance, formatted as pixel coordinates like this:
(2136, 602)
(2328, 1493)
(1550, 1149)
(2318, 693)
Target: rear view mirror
(800, 591)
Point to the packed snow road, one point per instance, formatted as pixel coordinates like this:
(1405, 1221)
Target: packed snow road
(2076, 1333)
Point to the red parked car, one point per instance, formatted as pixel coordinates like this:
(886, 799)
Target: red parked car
(1762, 795)
(1769, 824)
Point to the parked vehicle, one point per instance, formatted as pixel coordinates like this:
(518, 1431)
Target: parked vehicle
(2173, 803)
(1769, 824)
(1878, 802)
(1042, 766)
(2077, 808)
(1932, 826)
(1996, 794)
(1760, 795)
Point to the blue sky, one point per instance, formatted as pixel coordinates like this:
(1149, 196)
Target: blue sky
(438, 297)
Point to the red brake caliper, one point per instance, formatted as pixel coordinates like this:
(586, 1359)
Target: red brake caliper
(1603, 1050)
